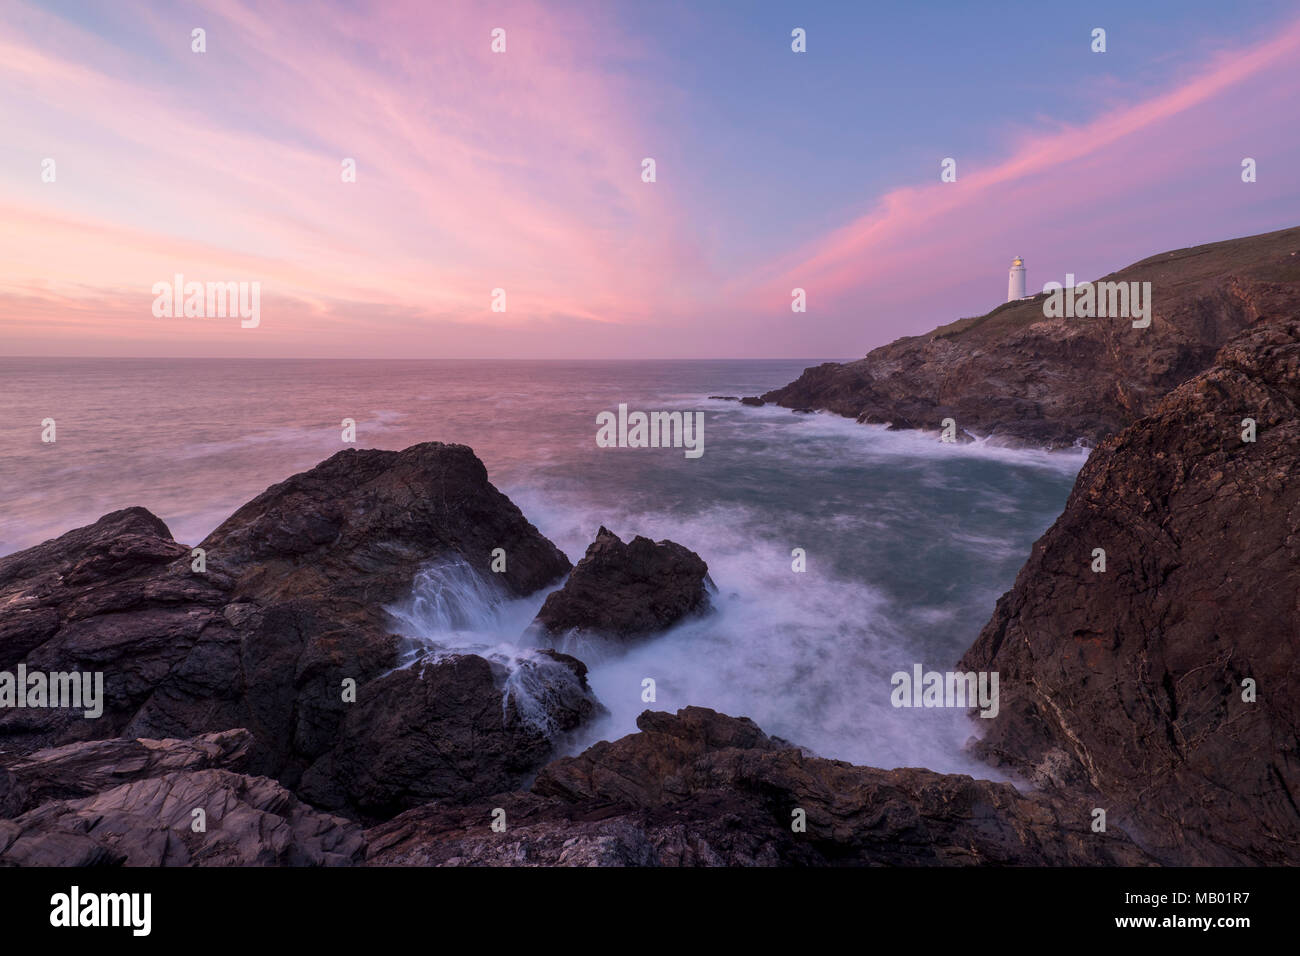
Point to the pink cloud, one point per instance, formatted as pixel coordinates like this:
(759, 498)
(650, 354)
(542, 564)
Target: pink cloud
(1100, 183)
(475, 170)
(521, 171)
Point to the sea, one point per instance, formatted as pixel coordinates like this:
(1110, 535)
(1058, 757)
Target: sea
(906, 542)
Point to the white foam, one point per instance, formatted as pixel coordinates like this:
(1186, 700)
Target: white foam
(454, 609)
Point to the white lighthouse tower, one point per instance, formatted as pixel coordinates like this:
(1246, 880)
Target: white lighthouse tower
(1016, 281)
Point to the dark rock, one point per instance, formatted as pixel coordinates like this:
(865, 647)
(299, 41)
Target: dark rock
(88, 767)
(1127, 684)
(115, 597)
(539, 832)
(354, 529)
(250, 821)
(700, 788)
(752, 400)
(292, 604)
(13, 795)
(724, 398)
(455, 728)
(1024, 378)
(627, 590)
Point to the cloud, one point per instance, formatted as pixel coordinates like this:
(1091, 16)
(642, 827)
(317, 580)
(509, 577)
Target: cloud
(1159, 171)
(475, 170)
(522, 171)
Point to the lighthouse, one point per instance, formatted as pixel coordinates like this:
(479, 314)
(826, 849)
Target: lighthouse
(1016, 281)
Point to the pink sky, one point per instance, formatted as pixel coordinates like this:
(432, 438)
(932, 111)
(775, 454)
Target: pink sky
(522, 171)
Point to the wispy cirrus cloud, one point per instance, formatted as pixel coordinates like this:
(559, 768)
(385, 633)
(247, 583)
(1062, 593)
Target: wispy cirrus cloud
(475, 170)
(1098, 193)
(521, 171)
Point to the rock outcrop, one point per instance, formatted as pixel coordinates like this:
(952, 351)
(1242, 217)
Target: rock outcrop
(702, 788)
(452, 728)
(1020, 377)
(250, 821)
(289, 607)
(1160, 686)
(89, 767)
(1132, 684)
(627, 590)
(115, 597)
(161, 803)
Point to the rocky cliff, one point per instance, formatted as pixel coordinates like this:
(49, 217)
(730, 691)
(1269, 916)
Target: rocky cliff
(1023, 378)
(1167, 686)
(1147, 656)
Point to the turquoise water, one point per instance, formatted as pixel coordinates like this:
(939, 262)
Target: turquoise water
(908, 541)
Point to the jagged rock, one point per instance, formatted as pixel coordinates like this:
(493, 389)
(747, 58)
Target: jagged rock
(702, 788)
(354, 529)
(115, 597)
(88, 767)
(539, 832)
(753, 401)
(454, 728)
(312, 562)
(1023, 378)
(1128, 683)
(250, 821)
(13, 795)
(291, 604)
(627, 590)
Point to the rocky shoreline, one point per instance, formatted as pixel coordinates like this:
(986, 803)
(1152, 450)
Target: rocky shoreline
(1016, 377)
(260, 691)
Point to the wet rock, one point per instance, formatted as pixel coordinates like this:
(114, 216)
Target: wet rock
(354, 529)
(84, 768)
(291, 606)
(626, 590)
(700, 788)
(116, 597)
(1127, 684)
(453, 728)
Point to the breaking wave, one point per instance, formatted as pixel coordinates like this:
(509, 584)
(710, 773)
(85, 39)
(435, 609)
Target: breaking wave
(453, 609)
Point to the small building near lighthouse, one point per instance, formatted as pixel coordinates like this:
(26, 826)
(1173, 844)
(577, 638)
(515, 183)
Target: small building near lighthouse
(1016, 281)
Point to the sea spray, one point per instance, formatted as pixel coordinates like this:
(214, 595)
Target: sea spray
(908, 545)
(454, 609)
(908, 542)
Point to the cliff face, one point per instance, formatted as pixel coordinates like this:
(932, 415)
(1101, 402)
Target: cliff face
(1024, 378)
(1132, 684)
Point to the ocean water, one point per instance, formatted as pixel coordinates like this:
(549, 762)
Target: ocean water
(909, 541)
